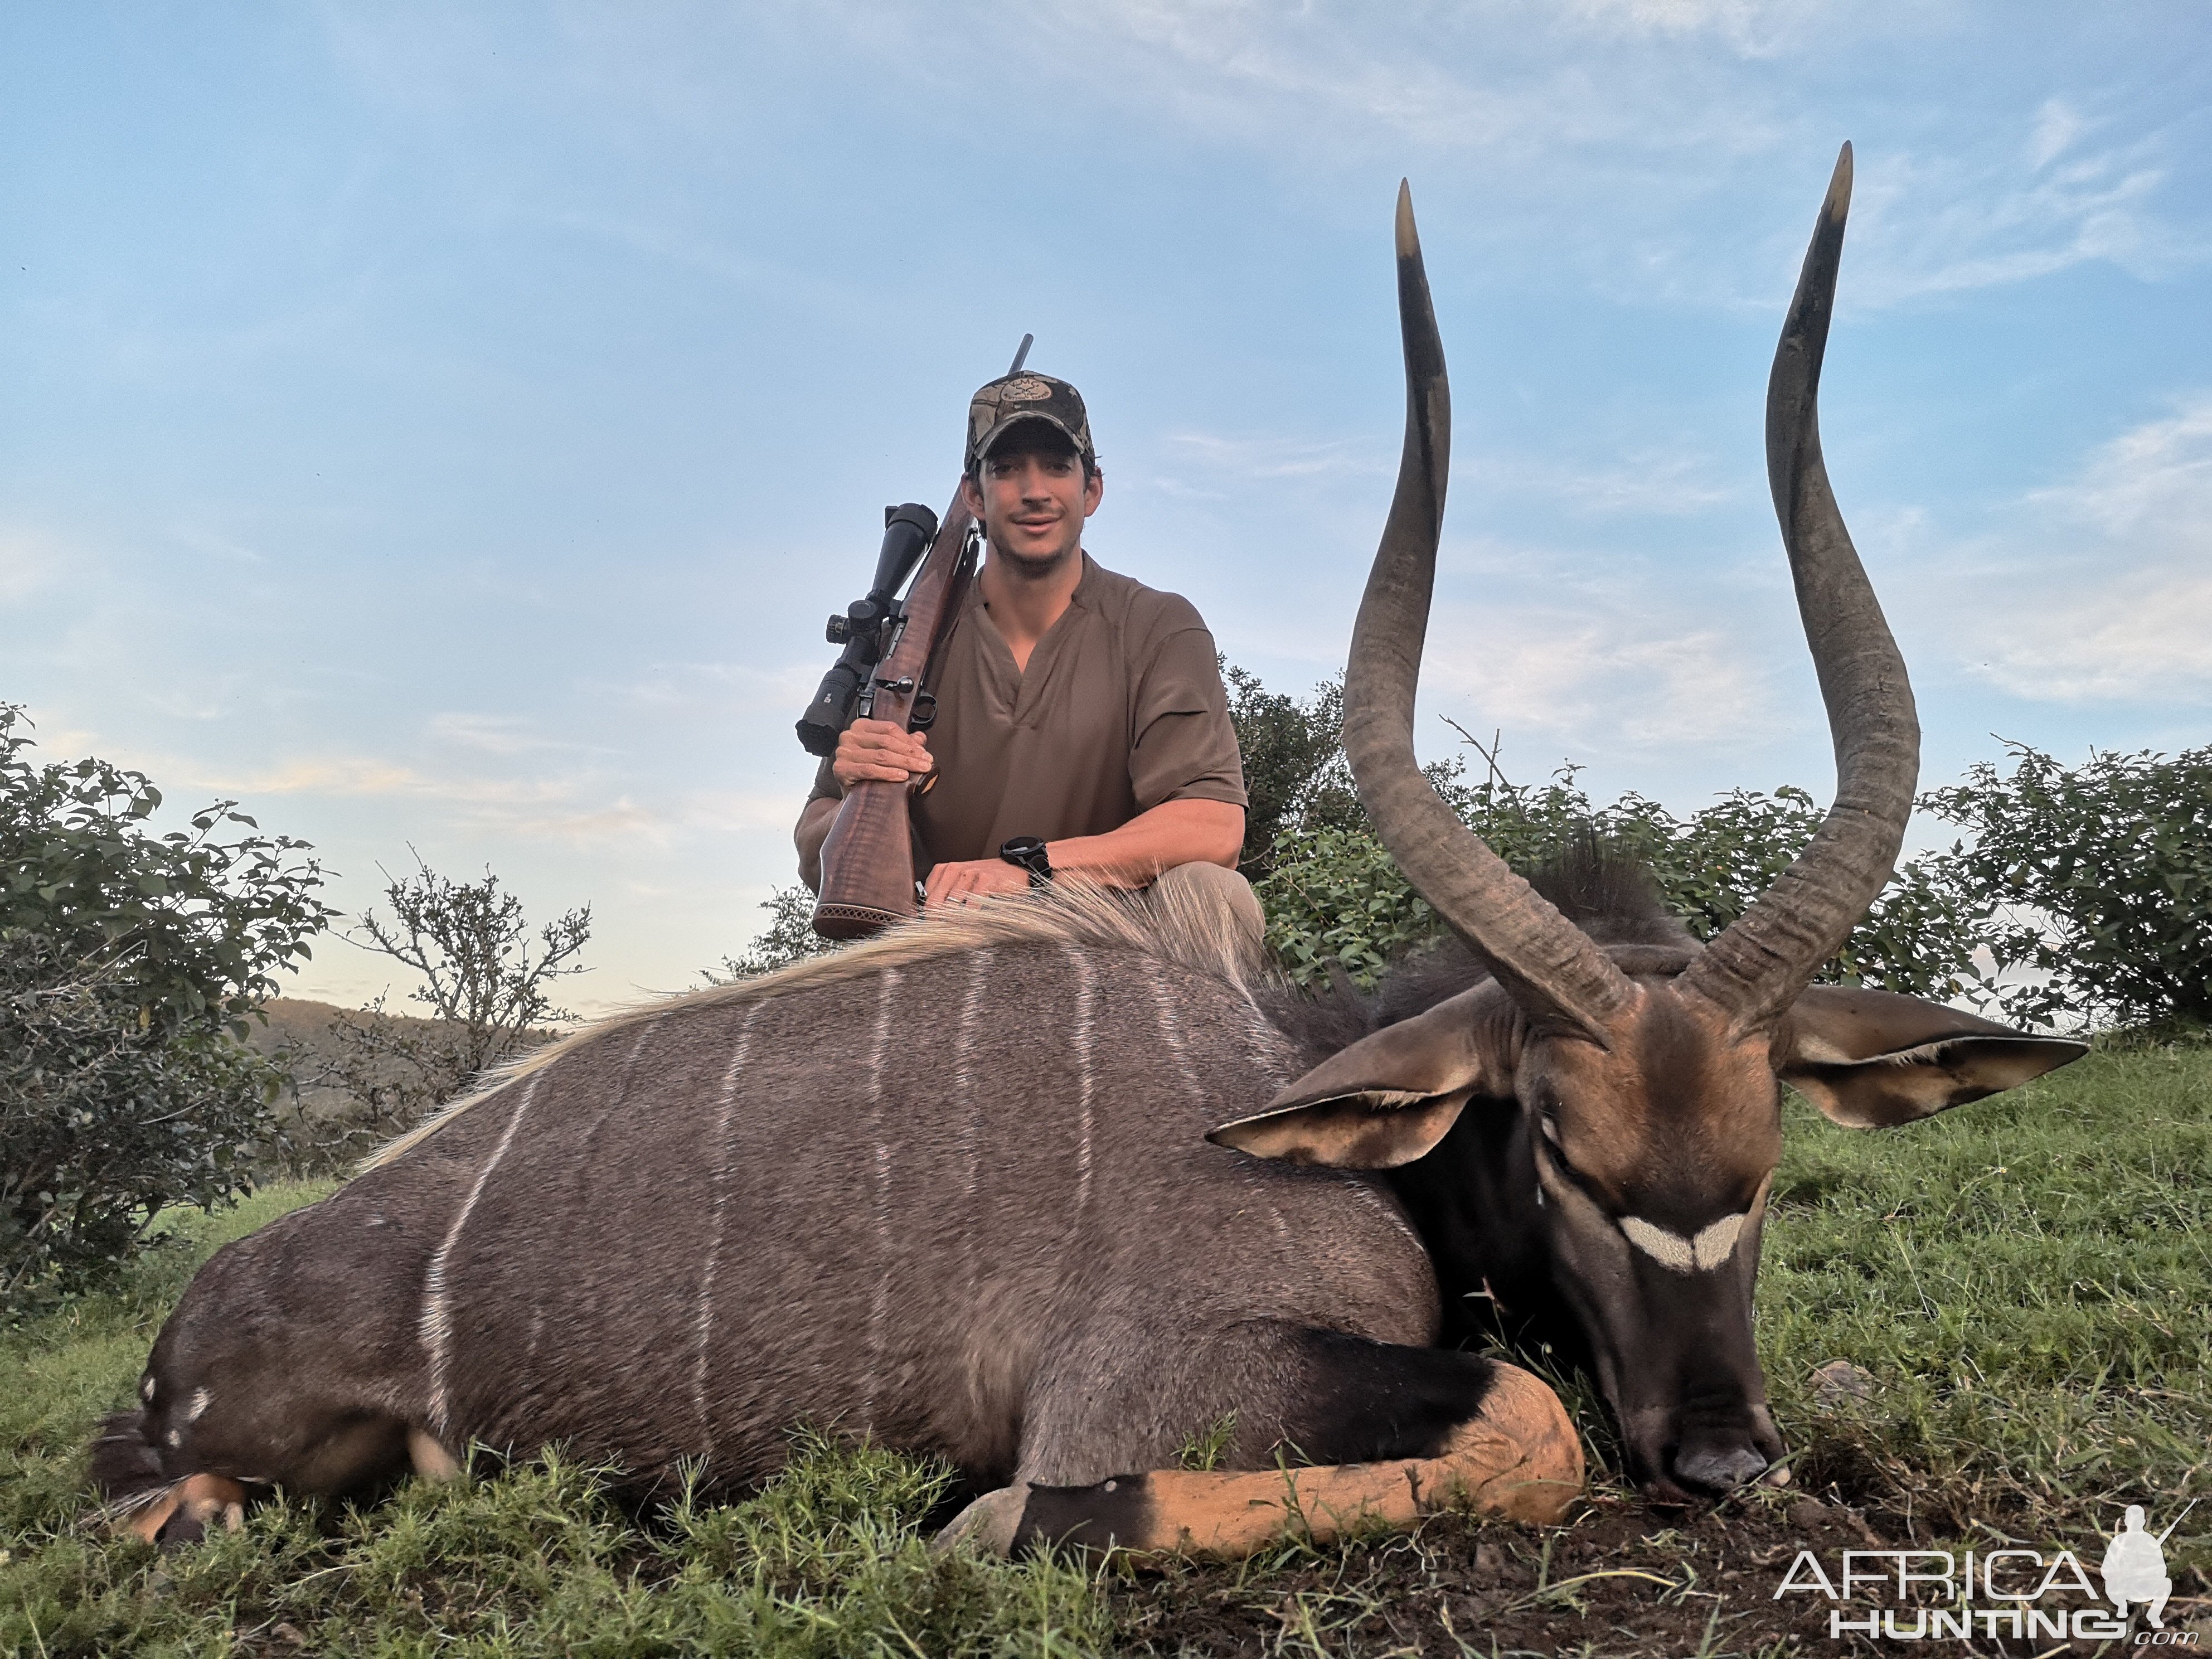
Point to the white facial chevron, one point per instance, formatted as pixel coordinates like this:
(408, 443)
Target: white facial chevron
(1701, 1254)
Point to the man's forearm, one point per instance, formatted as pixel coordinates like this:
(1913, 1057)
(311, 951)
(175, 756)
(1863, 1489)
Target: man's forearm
(813, 830)
(1174, 832)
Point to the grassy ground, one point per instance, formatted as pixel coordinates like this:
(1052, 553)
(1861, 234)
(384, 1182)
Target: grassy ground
(2023, 1288)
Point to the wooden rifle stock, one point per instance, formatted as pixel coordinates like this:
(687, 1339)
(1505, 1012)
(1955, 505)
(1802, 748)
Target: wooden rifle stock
(867, 860)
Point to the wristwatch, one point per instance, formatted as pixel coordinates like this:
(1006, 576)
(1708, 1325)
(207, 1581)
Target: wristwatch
(1029, 852)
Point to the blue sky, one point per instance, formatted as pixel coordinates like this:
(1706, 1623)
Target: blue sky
(448, 425)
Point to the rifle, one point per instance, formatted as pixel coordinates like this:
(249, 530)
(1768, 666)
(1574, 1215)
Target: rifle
(890, 646)
(2177, 1520)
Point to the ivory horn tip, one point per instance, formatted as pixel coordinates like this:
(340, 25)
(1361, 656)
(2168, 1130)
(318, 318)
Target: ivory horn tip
(1839, 184)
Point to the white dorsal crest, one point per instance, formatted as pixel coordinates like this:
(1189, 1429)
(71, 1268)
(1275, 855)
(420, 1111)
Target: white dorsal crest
(1707, 1251)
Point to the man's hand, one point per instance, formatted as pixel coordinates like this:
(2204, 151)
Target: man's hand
(955, 883)
(878, 751)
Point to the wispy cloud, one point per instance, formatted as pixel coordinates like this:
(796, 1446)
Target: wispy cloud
(2121, 605)
(2141, 636)
(1206, 465)
(579, 806)
(1549, 107)
(2057, 124)
(346, 775)
(1227, 65)
(543, 803)
(1601, 681)
(493, 734)
(2155, 479)
(1665, 483)
(718, 689)
(1753, 27)
(1661, 484)
(1321, 80)
(30, 563)
(1945, 224)
(1637, 115)
(216, 544)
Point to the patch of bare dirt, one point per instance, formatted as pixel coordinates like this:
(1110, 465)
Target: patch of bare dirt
(1623, 1581)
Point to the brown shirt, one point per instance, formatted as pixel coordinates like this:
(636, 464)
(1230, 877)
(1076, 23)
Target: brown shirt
(1121, 707)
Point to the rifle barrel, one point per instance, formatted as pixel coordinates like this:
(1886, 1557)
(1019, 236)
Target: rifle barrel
(2177, 1520)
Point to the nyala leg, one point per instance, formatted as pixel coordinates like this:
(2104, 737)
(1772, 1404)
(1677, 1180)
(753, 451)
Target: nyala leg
(428, 1457)
(182, 1514)
(1517, 1457)
(1401, 1432)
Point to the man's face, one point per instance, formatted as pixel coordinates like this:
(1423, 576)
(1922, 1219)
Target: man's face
(1033, 499)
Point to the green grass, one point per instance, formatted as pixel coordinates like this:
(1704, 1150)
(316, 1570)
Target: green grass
(827, 1561)
(2026, 1281)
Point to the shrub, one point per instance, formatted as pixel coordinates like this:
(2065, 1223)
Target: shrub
(487, 988)
(1295, 773)
(1917, 937)
(130, 965)
(788, 937)
(2101, 879)
(1335, 896)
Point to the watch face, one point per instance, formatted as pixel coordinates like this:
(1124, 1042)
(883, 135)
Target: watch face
(1028, 852)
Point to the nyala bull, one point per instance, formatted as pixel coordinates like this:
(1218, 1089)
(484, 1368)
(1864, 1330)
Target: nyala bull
(1051, 1187)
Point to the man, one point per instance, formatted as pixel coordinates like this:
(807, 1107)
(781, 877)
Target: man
(1082, 729)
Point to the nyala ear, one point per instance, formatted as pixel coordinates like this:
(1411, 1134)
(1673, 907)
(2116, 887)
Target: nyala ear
(1388, 1098)
(1872, 1059)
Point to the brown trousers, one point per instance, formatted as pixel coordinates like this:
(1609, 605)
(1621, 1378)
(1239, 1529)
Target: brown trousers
(1211, 886)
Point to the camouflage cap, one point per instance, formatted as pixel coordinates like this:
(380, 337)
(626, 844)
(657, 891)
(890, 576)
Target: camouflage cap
(1025, 396)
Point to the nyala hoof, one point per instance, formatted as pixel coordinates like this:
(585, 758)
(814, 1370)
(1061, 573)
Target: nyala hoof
(989, 1523)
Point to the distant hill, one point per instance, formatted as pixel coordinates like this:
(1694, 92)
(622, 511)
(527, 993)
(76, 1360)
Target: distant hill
(324, 1123)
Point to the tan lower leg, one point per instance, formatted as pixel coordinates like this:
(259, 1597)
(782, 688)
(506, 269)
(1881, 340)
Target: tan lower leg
(1521, 1458)
(431, 1460)
(202, 1497)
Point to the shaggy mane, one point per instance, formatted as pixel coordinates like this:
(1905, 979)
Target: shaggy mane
(1600, 885)
(1175, 928)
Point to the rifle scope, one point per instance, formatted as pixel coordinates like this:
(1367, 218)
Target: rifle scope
(863, 627)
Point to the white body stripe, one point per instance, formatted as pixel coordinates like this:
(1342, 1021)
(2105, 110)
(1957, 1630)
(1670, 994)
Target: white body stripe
(705, 1322)
(435, 1324)
(1364, 1187)
(1172, 1034)
(1086, 996)
(971, 1128)
(879, 1303)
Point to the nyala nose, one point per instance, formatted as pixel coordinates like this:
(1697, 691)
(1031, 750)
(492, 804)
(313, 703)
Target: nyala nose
(1719, 1466)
